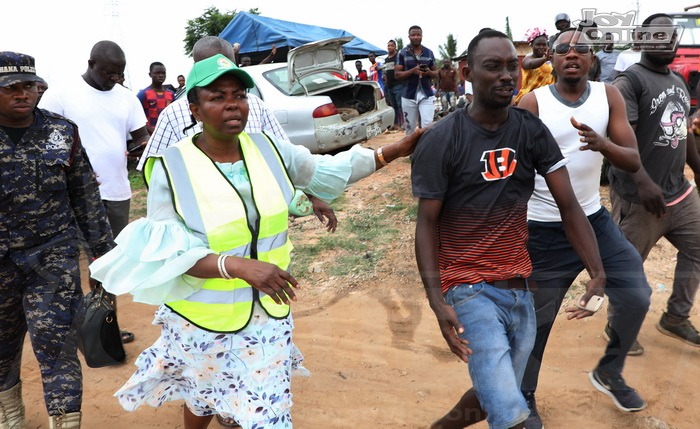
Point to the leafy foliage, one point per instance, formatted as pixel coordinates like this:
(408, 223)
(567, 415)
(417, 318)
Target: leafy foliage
(211, 23)
(508, 32)
(399, 43)
(449, 49)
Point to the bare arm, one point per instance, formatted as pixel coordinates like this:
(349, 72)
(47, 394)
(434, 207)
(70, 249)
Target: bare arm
(530, 62)
(401, 74)
(325, 213)
(621, 146)
(649, 192)
(268, 59)
(580, 234)
(427, 259)
(529, 103)
(692, 157)
(140, 138)
(398, 149)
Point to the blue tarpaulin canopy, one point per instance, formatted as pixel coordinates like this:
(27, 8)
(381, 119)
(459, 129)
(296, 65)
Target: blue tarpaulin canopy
(256, 34)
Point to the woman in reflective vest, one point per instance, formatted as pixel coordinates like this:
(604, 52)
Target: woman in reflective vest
(225, 228)
(215, 251)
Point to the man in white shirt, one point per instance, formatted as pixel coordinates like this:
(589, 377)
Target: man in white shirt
(105, 113)
(628, 57)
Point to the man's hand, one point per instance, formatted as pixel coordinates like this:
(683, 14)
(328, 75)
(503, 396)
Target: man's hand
(652, 198)
(324, 211)
(695, 122)
(593, 287)
(408, 144)
(593, 141)
(451, 328)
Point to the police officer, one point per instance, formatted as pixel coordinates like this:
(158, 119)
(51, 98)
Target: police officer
(48, 196)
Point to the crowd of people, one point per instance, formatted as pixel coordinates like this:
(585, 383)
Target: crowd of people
(509, 215)
(517, 212)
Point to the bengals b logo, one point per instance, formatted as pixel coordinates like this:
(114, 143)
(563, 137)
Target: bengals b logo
(498, 164)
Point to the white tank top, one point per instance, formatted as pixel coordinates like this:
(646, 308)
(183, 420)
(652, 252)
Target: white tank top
(584, 167)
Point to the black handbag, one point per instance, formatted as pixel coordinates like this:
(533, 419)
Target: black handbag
(99, 337)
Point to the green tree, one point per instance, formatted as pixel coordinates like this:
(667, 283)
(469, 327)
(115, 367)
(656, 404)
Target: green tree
(211, 23)
(449, 49)
(508, 32)
(399, 43)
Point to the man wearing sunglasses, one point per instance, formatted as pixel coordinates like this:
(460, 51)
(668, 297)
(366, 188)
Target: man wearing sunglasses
(658, 201)
(588, 121)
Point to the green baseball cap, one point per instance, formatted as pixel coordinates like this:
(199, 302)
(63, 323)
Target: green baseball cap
(209, 69)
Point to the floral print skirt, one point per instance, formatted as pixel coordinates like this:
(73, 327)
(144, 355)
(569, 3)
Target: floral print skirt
(244, 375)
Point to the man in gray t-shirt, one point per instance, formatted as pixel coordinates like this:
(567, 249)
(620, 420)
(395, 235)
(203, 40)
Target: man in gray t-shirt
(658, 201)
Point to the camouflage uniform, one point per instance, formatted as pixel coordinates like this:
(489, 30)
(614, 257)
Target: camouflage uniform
(49, 202)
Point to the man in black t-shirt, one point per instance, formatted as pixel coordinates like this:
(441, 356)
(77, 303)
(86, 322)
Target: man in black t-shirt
(473, 174)
(392, 86)
(658, 201)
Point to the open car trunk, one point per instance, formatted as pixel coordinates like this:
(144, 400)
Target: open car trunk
(353, 101)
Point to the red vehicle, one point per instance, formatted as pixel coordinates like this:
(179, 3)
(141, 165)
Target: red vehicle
(687, 61)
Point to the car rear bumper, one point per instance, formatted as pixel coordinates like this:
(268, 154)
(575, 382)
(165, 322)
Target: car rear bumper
(330, 135)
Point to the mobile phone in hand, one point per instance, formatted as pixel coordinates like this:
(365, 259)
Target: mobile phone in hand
(592, 305)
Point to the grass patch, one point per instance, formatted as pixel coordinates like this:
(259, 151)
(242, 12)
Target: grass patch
(353, 250)
(139, 194)
(136, 180)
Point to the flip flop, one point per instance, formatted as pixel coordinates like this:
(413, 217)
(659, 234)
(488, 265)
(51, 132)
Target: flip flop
(227, 422)
(127, 337)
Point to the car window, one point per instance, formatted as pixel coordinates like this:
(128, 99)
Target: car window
(313, 82)
(691, 32)
(255, 91)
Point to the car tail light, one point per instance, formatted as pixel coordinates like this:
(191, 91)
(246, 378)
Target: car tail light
(325, 110)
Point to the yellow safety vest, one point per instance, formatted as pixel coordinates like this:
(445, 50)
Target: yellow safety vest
(214, 211)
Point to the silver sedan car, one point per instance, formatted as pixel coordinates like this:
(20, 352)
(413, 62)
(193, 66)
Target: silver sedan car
(315, 105)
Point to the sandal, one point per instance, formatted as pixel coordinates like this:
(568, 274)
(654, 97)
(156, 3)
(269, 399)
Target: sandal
(127, 337)
(227, 422)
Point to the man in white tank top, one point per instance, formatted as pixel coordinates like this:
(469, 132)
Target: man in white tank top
(588, 120)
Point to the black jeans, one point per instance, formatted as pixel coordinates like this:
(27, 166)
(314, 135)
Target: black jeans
(555, 267)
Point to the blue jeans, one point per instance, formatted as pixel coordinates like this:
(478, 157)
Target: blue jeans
(555, 267)
(393, 97)
(500, 327)
(448, 100)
